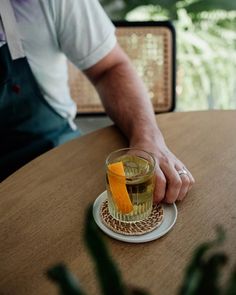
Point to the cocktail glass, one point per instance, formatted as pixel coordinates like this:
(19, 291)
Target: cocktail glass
(130, 184)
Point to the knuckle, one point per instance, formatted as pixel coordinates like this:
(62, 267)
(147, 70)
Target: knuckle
(164, 160)
(176, 183)
(160, 179)
(186, 181)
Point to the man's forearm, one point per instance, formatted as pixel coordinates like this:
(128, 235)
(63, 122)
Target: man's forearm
(126, 101)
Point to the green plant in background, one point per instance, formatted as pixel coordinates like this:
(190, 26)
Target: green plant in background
(107, 273)
(202, 274)
(206, 43)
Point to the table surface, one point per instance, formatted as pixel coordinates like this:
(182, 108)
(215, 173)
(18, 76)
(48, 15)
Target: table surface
(43, 205)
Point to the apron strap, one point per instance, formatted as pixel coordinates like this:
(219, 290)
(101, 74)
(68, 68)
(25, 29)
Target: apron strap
(11, 30)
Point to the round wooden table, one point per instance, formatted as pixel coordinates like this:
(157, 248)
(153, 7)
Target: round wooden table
(43, 205)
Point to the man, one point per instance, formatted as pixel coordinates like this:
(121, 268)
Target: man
(36, 110)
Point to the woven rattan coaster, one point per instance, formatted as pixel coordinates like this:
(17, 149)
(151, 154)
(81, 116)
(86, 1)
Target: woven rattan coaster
(132, 228)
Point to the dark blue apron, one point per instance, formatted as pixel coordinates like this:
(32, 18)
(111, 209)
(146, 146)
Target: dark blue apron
(29, 126)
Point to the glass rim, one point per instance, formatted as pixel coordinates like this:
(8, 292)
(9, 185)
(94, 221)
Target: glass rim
(151, 155)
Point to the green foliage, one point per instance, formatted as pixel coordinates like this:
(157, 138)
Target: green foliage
(202, 274)
(206, 73)
(231, 289)
(201, 277)
(67, 283)
(107, 273)
(206, 43)
(203, 5)
(117, 9)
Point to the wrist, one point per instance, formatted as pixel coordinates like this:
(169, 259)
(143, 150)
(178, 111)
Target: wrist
(148, 139)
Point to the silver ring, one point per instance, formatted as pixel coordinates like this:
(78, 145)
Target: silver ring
(182, 172)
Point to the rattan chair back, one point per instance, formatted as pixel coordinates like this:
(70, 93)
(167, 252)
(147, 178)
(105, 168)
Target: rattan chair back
(151, 48)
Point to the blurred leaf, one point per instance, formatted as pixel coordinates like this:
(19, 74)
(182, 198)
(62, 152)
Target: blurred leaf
(203, 5)
(211, 273)
(231, 289)
(136, 291)
(67, 283)
(200, 269)
(107, 273)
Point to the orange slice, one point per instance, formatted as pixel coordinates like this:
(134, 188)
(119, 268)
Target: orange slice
(118, 187)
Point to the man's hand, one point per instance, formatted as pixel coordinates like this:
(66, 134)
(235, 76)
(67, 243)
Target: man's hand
(173, 179)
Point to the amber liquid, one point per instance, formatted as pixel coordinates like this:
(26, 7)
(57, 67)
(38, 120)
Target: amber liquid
(140, 185)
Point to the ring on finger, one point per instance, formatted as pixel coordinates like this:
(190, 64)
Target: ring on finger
(182, 171)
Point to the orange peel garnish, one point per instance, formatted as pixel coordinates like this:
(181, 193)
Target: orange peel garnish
(118, 187)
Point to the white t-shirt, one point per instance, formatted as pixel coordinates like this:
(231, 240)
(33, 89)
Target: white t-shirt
(54, 30)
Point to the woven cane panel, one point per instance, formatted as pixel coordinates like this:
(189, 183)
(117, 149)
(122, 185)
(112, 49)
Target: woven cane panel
(149, 49)
(83, 92)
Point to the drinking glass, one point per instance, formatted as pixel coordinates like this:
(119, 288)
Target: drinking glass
(130, 184)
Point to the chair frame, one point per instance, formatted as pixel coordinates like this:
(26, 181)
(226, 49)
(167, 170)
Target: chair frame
(166, 24)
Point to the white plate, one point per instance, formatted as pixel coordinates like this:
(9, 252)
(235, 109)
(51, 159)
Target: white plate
(170, 216)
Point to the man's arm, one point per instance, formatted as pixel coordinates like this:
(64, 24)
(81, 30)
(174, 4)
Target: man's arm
(126, 101)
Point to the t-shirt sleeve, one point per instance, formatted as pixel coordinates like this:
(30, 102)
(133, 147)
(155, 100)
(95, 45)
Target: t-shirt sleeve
(84, 31)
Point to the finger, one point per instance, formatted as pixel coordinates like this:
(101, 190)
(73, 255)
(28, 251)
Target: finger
(185, 186)
(160, 186)
(174, 184)
(191, 178)
(187, 181)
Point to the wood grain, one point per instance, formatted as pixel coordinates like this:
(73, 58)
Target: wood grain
(42, 208)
